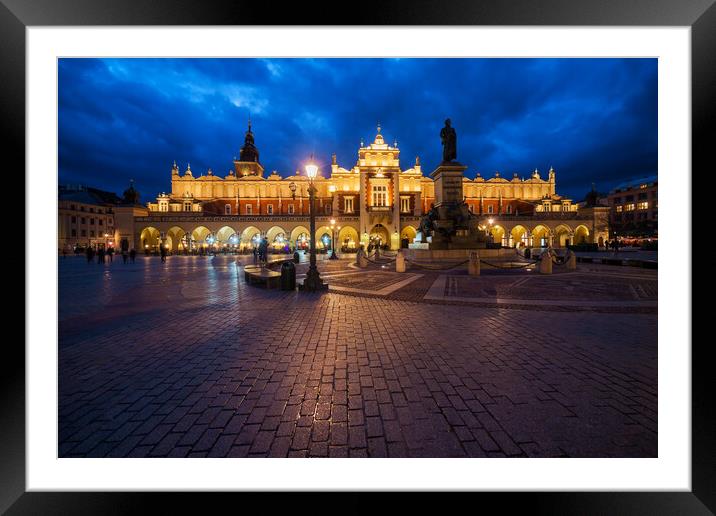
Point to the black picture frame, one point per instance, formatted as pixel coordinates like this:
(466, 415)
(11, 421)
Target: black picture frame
(700, 15)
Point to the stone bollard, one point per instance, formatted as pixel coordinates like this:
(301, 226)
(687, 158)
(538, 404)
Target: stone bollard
(545, 262)
(571, 260)
(361, 259)
(473, 266)
(400, 261)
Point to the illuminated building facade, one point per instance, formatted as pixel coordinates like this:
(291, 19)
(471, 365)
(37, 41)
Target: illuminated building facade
(373, 201)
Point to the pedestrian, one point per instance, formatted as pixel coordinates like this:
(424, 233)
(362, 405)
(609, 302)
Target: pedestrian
(256, 254)
(163, 253)
(110, 253)
(132, 255)
(100, 255)
(89, 254)
(124, 257)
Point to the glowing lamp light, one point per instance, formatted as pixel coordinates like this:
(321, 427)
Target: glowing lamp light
(311, 170)
(490, 220)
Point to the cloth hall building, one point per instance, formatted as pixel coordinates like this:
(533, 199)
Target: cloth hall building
(376, 200)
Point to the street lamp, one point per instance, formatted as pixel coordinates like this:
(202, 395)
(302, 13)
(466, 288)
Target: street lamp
(313, 280)
(334, 256)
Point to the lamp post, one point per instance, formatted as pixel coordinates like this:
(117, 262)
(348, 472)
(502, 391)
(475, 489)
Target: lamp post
(313, 281)
(334, 256)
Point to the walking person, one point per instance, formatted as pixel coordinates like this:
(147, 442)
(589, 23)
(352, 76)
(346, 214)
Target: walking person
(124, 257)
(163, 253)
(100, 255)
(132, 255)
(110, 253)
(90, 254)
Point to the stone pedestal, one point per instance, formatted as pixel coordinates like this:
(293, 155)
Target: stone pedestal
(545, 263)
(571, 260)
(361, 259)
(473, 266)
(400, 262)
(448, 183)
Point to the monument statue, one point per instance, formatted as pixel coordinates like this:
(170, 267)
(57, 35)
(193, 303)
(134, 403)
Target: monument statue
(449, 139)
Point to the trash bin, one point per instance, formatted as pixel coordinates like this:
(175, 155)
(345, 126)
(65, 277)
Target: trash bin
(296, 257)
(288, 276)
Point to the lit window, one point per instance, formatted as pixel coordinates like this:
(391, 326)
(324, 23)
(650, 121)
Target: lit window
(405, 204)
(327, 209)
(629, 207)
(380, 195)
(348, 204)
(643, 186)
(290, 209)
(509, 208)
(269, 209)
(227, 209)
(620, 208)
(489, 209)
(642, 205)
(249, 209)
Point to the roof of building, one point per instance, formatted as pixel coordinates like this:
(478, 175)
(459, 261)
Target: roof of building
(87, 195)
(631, 183)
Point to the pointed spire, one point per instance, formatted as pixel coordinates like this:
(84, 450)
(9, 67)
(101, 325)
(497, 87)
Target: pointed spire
(362, 144)
(395, 143)
(378, 127)
(417, 161)
(333, 159)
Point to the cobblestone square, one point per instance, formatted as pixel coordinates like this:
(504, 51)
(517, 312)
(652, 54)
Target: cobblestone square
(184, 359)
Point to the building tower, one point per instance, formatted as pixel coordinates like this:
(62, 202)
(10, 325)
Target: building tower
(248, 162)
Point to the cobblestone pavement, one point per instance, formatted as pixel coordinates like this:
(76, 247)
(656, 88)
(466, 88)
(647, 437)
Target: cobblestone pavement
(184, 359)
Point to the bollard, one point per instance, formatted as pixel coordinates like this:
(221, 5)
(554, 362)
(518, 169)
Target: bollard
(473, 266)
(361, 259)
(571, 260)
(545, 262)
(400, 261)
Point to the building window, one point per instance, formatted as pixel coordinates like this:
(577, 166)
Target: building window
(348, 204)
(269, 209)
(629, 207)
(91, 210)
(82, 220)
(405, 204)
(82, 208)
(74, 219)
(643, 186)
(227, 209)
(74, 232)
(642, 205)
(290, 209)
(99, 210)
(91, 222)
(84, 232)
(72, 207)
(249, 209)
(620, 208)
(327, 209)
(187, 206)
(380, 195)
(489, 209)
(92, 233)
(509, 209)
(99, 221)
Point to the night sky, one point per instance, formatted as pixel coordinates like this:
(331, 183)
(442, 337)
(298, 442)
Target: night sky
(593, 120)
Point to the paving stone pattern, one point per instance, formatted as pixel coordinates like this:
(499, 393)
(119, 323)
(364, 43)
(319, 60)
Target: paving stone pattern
(184, 359)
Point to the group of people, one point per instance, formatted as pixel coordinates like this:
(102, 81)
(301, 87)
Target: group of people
(261, 251)
(614, 245)
(104, 255)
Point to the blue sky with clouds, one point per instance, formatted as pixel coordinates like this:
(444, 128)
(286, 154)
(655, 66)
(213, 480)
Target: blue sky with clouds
(593, 120)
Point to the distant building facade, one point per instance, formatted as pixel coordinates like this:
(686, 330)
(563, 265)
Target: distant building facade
(85, 217)
(373, 201)
(634, 208)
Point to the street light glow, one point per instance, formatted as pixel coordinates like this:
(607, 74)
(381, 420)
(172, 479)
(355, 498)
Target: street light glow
(311, 170)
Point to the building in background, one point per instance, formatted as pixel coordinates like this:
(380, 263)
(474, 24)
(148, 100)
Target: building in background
(374, 201)
(85, 217)
(634, 209)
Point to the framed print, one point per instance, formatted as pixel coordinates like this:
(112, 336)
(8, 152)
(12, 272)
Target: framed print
(417, 253)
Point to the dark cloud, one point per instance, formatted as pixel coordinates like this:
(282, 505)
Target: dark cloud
(593, 120)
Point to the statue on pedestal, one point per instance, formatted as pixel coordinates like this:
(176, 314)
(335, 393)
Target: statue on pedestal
(449, 139)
